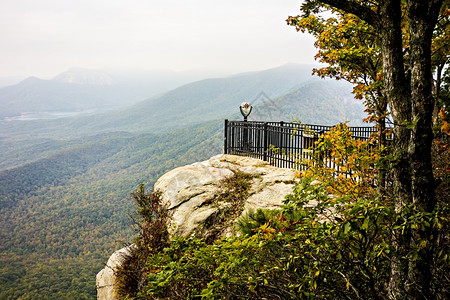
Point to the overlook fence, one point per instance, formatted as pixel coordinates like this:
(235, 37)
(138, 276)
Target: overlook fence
(283, 144)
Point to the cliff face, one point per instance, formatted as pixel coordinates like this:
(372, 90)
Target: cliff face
(188, 193)
(105, 278)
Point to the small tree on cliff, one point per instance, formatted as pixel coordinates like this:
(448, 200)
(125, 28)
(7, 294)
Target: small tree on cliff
(407, 79)
(352, 52)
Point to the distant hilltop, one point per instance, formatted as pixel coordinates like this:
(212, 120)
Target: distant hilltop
(85, 76)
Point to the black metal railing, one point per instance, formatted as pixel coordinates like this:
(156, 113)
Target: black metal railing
(283, 144)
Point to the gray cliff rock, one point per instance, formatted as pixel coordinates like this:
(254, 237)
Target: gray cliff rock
(105, 278)
(187, 191)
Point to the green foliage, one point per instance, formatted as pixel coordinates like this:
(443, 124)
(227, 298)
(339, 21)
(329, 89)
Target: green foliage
(228, 269)
(306, 258)
(152, 232)
(152, 237)
(319, 246)
(248, 223)
(351, 239)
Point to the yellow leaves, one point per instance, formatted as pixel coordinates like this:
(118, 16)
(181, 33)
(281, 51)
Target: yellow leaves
(154, 271)
(266, 228)
(423, 244)
(445, 128)
(349, 165)
(443, 114)
(267, 231)
(317, 273)
(236, 243)
(330, 189)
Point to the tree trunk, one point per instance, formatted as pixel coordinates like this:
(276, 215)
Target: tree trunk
(411, 103)
(422, 18)
(397, 92)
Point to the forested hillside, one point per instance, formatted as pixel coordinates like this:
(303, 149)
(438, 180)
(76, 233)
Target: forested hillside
(61, 216)
(314, 102)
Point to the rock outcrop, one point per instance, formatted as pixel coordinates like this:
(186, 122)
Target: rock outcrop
(105, 278)
(187, 191)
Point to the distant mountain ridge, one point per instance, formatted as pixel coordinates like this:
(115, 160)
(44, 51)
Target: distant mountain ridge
(37, 95)
(211, 99)
(208, 99)
(80, 89)
(191, 103)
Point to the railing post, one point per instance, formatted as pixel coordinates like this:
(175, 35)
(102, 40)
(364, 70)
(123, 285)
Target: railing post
(281, 138)
(266, 146)
(225, 138)
(246, 143)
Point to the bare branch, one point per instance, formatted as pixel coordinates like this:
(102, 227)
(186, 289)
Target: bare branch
(353, 7)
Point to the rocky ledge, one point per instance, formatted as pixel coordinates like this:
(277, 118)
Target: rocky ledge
(187, 191)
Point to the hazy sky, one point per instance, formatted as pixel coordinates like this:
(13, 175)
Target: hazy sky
(45, 37)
